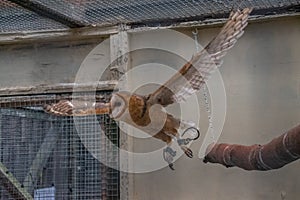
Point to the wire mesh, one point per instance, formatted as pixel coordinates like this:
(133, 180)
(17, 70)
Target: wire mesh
(136, 11)
(106, 12)
(43, 151)
(14, 18)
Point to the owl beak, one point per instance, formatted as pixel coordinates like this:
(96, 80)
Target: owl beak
(102, 108)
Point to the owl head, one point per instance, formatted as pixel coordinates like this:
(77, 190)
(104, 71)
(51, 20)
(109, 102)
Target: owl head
(118, 104)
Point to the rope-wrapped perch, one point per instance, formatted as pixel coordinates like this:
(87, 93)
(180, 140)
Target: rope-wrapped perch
(273, 155)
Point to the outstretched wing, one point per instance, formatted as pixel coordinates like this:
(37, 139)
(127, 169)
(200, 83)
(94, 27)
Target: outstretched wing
(193, 74)
(77, 108)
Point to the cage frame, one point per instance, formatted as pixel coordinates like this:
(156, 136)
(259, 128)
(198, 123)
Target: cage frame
(45, 94)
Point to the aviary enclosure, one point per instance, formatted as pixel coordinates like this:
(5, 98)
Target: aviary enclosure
(42, 151)
(63, 61)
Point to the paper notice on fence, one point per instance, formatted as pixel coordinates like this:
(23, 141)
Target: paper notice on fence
(45, 194)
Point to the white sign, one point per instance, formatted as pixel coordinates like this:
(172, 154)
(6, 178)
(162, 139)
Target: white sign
(45, 194)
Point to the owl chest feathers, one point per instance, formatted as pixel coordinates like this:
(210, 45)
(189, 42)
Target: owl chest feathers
(139, 110)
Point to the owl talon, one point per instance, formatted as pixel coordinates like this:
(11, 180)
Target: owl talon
(168, 155)
(187, 151)
(171, 165)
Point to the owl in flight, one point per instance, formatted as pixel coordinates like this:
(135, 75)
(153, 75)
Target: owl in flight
(145, 111)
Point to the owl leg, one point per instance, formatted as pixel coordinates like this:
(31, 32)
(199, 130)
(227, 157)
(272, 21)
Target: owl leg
(168, 155)
(168, 152)
(172, 127)
(182, 143)
(187, 128)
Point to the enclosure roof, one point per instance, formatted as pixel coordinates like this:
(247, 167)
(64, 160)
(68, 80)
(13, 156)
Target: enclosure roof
(42, 15)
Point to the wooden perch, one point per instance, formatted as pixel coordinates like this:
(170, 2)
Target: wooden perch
(12, 185)
(273, 155)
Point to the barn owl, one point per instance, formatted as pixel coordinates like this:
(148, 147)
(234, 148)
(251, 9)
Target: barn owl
(145, 111)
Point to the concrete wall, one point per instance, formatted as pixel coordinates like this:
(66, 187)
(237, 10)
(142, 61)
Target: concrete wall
(262, 81)
(43, 62)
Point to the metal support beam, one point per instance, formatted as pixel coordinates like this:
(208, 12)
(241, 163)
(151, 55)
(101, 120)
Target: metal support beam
(119, 48)
(41, 158)
(12, 185)
(58, 88)
(120, 64)
(57, 35)
(49, 13)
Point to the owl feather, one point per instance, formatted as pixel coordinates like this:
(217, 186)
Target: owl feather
(193, 75)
